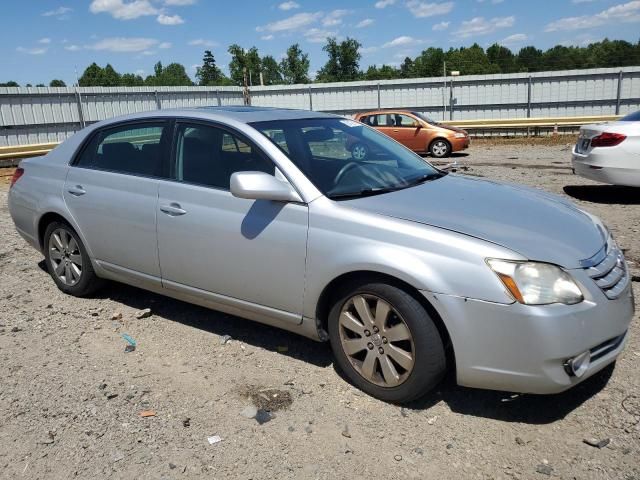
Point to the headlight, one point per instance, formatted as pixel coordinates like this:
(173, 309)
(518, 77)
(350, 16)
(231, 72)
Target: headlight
(532, 283)
(460, 135)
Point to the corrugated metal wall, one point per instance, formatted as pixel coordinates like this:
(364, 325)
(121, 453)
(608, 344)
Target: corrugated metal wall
(39, 115)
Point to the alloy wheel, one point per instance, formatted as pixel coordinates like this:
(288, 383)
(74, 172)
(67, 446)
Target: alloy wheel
(376, 340)
(439, 148)
(65, 257)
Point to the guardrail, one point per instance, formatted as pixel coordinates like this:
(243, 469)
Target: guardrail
(8, 154)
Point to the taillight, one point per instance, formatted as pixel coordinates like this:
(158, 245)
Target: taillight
(16, 176)
(607, 139)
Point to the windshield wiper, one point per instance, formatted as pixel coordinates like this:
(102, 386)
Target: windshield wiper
(424, 178)
(365, 192)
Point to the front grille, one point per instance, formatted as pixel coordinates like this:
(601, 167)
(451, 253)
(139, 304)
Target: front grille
(611, 273)
(604, 348)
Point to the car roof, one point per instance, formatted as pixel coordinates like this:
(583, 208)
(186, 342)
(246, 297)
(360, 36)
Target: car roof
(239, 113)
(386, 110)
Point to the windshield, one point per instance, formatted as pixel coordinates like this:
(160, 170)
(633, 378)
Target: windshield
(632, 117)
(344, 158)
(425, 118)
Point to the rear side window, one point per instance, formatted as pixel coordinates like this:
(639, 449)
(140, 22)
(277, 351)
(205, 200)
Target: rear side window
(209, 155)
(134, 149)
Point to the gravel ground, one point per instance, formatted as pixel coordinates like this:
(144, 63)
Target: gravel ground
(72, 400)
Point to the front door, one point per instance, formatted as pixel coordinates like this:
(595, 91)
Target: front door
(112, 193)
(249, 250)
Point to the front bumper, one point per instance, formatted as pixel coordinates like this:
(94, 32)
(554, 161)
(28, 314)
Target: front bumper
(521, 348)
(458, 144)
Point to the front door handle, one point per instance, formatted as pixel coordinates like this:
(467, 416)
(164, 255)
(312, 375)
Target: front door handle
(76, 191)
(173, 209)
(396, 130)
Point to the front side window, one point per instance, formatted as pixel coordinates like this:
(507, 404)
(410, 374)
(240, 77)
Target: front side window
(343, 158)
(133, 149)
(209, 155)
(406, 121)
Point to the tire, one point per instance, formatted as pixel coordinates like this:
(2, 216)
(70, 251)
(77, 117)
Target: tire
(68, 262)
(359, 151)
(440, 148)
(352, 348)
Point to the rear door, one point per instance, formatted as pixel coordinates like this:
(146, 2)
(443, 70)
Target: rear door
(111, 191)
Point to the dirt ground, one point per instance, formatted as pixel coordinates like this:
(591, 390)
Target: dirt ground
(72, 400)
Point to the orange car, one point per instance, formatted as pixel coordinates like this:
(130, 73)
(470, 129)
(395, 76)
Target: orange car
(415, 131)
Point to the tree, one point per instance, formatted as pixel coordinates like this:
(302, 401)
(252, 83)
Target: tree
(57, 83)
(385, 72)
(271, 71)
(131, 80)
(92, 76)
(470, 61)
(241, 59)
(109, 77)
(343, 64)
(295, 66)
(429, 63)
(502, 57)
(173, 75)
(407, 68)
(529, 59)
(209, 73)
(10, 83)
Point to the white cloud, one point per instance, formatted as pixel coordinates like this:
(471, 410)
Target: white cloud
(481, 26)
(401, 41)
(384, 3)
(139, 72)
(288, 6)
(295, 22)
(421, 9)
(58, 12)
(582, 1)
(170, 19)
(72, 48)
(165, 45)
(124, 44)
(334, 18)
(201, 42)
(366, 50)
(365, 23)
(32, 51)
(179, 3)
(514, 39)
(45, 41)
(438, 27)
(122, 10)
(267, 37)
(624, 12)
(318, 35)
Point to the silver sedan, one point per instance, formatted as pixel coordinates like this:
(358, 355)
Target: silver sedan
(405, 269)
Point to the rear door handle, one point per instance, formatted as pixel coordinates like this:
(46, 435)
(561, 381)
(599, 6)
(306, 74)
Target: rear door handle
(76, 191)
(173, 209)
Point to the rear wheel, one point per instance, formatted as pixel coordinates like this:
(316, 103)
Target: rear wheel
(68, 262)
(440, 148)
(386, 343)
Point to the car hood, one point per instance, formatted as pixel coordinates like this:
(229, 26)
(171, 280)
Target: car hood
(450, 128)
(537, 225)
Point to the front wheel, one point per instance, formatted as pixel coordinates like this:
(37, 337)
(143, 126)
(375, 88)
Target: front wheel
(440, 148)
(68, 262)
(386, 343)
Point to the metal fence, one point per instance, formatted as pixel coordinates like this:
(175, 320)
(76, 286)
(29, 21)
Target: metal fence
(31, 115)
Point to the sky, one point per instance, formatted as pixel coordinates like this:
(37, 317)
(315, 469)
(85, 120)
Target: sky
(45, 39)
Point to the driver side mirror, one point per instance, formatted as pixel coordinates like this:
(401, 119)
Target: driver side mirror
(262, 186)
(417, 124)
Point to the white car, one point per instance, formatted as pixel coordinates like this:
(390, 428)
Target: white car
(610, 152)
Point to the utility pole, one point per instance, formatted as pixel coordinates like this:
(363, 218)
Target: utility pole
(444, 91)
(246, 96)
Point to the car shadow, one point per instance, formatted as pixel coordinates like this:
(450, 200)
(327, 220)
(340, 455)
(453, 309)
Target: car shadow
(607, 194)
(509, 407)
(503, 406)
